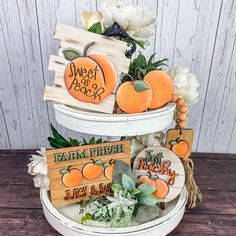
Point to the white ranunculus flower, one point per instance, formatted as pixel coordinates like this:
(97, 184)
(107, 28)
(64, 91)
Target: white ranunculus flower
(90, 18)
(136, 21)
(141, 142)
(39, 168)
(119, 200)
(41, 181)
(136, 147)
(185, 84)
(152, 139)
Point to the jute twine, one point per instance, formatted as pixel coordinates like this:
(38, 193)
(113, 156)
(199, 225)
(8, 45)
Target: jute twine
(194, 192)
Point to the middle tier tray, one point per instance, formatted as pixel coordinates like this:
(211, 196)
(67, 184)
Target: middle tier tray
(113, 125)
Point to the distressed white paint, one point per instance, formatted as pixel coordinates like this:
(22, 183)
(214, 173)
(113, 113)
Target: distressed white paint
(194, 33)
(65, 220)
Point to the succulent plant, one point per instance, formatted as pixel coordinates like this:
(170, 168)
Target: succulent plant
(140, 66)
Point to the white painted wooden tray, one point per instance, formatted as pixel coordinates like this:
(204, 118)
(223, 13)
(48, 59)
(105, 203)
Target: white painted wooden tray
(170, 218)
(114, 124)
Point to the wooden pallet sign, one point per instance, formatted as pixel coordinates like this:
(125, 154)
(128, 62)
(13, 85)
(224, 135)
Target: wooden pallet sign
(83, 82)
(78, 172)
(161, 168)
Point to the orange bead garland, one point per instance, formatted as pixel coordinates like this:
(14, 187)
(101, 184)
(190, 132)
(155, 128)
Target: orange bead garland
(181, 114)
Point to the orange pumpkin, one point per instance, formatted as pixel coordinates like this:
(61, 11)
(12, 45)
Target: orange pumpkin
(162, 88)
(134, 96)
(90, 78)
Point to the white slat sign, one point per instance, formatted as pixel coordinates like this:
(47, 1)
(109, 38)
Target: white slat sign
(76, 39)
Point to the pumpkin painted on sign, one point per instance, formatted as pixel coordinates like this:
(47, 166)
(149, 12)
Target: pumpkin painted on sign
(89, 78)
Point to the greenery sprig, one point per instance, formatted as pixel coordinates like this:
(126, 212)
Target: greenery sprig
(58, 141)
(143, 192)
(141, 64)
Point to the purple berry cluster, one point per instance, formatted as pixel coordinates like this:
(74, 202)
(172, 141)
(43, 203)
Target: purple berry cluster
(116, 31)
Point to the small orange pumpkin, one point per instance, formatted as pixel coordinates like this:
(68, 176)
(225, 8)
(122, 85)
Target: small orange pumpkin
(90, 78)
(134, 96)
(162, 88)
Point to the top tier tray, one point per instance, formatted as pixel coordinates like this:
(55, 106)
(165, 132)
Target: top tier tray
(114, 125)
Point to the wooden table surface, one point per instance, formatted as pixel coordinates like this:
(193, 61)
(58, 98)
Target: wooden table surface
(21, 212)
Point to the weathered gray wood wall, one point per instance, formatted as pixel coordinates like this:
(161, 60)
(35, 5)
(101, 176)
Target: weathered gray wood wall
(194, 33)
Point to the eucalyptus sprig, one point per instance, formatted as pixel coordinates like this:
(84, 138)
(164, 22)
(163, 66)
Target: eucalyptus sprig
(58, 141)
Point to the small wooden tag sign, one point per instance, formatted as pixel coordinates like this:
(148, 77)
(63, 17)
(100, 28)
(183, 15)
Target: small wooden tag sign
(162, 168)
(180, 142)
(77, 172)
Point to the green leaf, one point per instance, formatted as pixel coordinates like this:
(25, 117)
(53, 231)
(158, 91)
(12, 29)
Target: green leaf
(120, 168)
(147, 213)
(99, 140)
(71, 54)
(57, 136)
(140, 61)
(148, 199)
(60, 142)
(146, 188)
(135, 211)
(74, 142)
(106, 164)
(63, 171)
(86, 217)
(96, 28)
(116, 187)
(135, 191)
(54, 144)
(172, 142)
(154, 177)
(140, 86)
(151, 59)
(159, 63)
(92, 140)
(127, 182)
(140, 43)
(85, 142)
(98, 162)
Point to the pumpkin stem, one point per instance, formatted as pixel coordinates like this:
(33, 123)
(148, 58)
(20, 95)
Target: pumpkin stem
(139, 74)
(87, 47)
(130, 76)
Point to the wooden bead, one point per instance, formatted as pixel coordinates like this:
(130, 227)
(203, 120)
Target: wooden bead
(174, 98)
(180, 102)
(182, 116)
(181, 124)
(183, 109)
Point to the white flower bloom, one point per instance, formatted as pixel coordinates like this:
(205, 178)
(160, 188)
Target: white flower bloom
(90, 18)
(152, 139)
(39, 168)
(41, 181)
(185, 84)
(136, 147)
(136, 21)
(119, 200)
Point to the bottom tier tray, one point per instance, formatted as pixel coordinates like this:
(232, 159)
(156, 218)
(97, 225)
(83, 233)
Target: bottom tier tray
(169, 219)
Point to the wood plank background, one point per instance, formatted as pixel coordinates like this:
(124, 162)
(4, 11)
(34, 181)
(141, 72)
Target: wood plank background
(194, 33)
